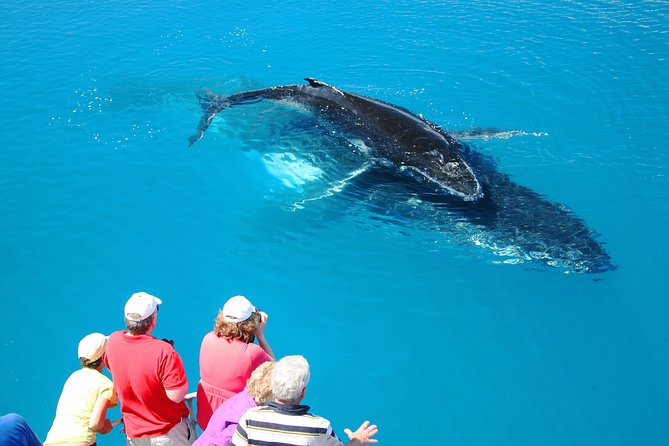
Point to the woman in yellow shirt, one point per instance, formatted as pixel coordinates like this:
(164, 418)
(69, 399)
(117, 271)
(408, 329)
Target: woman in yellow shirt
(87, 394)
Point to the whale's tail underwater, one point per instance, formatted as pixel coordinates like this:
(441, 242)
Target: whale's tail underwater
(455, 183)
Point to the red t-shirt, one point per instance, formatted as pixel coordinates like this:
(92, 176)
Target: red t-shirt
(142, 368)
(225, 366)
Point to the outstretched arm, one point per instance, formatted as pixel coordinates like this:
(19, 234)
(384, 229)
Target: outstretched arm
(260, 334)
(363, 435)
(98, 421)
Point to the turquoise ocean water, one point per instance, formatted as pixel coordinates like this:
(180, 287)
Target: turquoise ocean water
(404, 319)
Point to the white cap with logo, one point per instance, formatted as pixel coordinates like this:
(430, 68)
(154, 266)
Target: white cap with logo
(237, 309)
(92, 346)
(140, 306)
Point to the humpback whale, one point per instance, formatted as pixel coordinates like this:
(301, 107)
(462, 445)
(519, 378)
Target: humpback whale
(443, 178)
(412, 144)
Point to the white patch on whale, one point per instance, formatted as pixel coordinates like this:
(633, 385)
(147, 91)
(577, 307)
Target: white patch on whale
(291, 171)
(335, 187)
(361, 146)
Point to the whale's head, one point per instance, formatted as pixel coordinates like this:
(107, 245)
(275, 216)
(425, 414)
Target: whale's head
(440, 161)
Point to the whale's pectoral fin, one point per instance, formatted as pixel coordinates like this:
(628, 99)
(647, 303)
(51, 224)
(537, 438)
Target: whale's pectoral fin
(334, 187)
(487, 133)
(211, 104)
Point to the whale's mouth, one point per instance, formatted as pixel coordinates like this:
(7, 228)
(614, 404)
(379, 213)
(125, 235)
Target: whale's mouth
(477, 194)
(454, 178)
(461, 181)
(440, 160)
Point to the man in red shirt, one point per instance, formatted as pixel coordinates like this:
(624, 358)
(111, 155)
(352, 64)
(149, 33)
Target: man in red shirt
(149, 378)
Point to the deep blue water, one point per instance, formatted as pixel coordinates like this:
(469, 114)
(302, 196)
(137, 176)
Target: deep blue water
(404, 322)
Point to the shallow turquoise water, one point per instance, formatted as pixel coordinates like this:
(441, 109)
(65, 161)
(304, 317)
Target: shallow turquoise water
(100, 197)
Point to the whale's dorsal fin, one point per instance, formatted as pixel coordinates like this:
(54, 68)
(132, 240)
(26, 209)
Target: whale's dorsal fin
(315, 82)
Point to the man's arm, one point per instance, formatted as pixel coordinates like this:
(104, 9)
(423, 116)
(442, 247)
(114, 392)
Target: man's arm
(173, 375)
(177, 395)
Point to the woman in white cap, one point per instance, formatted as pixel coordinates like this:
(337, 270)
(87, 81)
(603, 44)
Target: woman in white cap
(228, 355)
(86, 396)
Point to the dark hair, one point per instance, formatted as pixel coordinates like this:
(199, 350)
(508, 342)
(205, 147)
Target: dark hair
(139, 327)
(90, 364)
(244, 330)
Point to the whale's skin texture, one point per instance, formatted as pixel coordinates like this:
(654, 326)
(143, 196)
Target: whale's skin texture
(399, 137)
(458, 186)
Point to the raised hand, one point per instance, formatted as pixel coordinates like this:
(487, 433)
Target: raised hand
(363, 435)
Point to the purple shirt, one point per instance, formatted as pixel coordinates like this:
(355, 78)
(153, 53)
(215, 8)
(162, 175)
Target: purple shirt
(224, 420)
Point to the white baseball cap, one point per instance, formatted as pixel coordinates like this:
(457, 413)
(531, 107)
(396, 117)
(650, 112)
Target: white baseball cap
(140, 306)
(92, 346)
(237, 309)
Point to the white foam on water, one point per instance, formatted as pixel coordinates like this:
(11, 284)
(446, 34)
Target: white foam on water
(466, 135)
(291, 171)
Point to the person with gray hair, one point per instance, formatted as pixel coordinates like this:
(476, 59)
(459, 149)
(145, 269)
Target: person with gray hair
(149, 377)
(285, 421)
(290, 378)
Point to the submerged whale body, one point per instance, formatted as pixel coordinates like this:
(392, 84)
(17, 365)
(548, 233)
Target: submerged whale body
(510, 220)
(410, 143)
(500, 214)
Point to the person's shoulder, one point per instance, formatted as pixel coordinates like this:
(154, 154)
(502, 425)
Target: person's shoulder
(255, 350)
(151, 342)
(240, 402)
(164, 348)
(209, 337)
(254, 411)
(261, 409)
(90, 375)
(254, 347)
(102, 379)
(212, 341)
(239, 397)
(114, 336)
(147, 344)
(317, 418)
(121, 339)
(75, 377)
